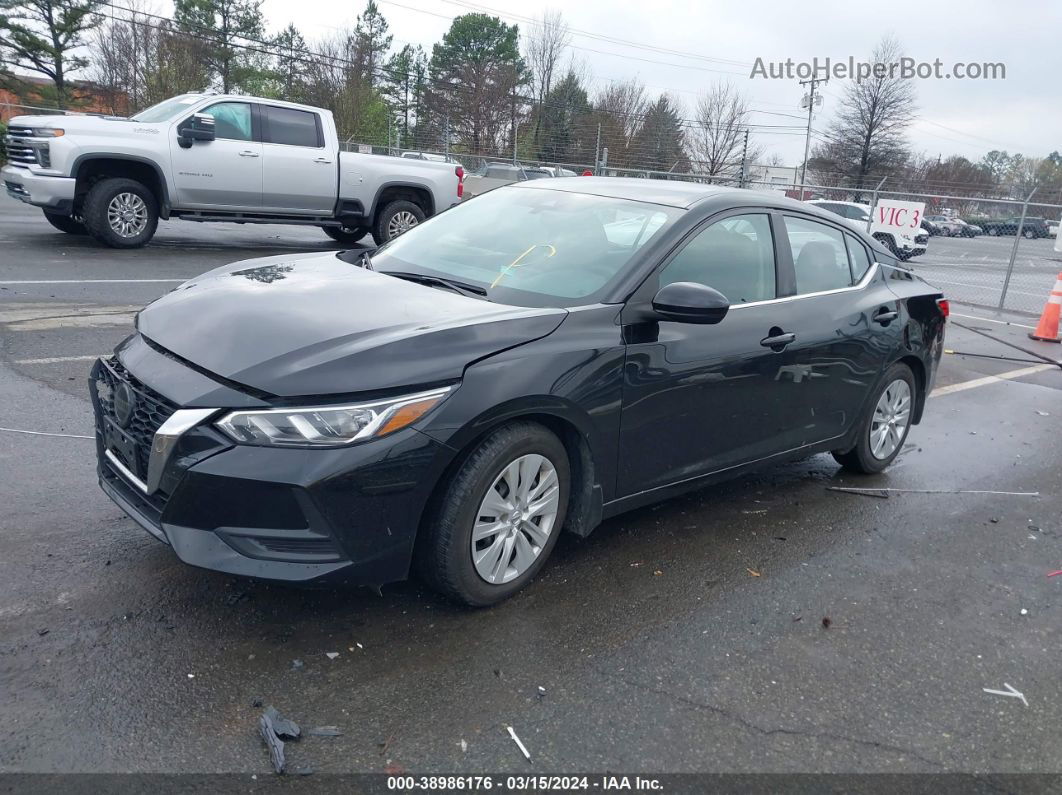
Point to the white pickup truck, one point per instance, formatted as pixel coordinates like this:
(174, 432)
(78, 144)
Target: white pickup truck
(209, 157)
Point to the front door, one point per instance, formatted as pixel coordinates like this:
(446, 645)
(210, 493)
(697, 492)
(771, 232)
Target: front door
(226, 173)
(704, 398)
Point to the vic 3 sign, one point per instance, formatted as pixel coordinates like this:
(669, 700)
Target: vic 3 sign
(894, 216)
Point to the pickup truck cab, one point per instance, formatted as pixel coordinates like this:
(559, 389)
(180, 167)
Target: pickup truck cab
(210, 157)
(904, 244)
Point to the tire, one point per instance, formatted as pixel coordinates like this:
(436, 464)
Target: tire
(862, 458)
(346, 234)
(444, 550)
(120, 213)
(993, 232)
(1029, 234)
(384, 230)
(65, 223)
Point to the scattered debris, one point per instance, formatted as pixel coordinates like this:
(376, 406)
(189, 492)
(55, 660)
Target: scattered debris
(272, 741)
(1010, 691)
(636, 564)
(1054, 573)
(304, 770)
(826, 622)
(797, 618)
(43, 632)
(386, 744)
(359, 645)
(657, 573)
(519, 744)
(325, 731)
(541, 691)
(331, 655)
(752, 572)
(191, 676)
(257, 703)
(884, 493)
(1024, 612)
(464, 745)
(994, 521)
(1043, 414)
(296, 665)
(288, 729)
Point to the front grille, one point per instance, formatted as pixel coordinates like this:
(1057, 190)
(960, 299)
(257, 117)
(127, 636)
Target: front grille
(152, 409)
(20, 153)
(921, 239)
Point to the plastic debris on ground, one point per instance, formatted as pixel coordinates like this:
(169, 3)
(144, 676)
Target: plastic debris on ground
(324, 731)
(519, 744)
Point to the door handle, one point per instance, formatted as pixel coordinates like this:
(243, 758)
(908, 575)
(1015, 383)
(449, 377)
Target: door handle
(321, 160)
(248, 153)
(778, 341)
(885, 316)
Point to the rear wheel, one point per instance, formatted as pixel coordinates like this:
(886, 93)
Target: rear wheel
(884, 427)
(65, 223)
(498, 518)
(346, 234)
(1028, 234)
(121, 213)
(394, 219)
(993, 232)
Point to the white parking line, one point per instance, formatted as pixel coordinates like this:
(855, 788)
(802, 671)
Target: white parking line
(99, 281)
(58, 359)
(990, 320)
(991, 379)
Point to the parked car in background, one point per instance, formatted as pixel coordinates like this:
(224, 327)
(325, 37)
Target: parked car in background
(946, 225)
(903, 245)
(493, 175)
(968, 229)
(209, 157)
(554, 171)
(1033, 227)
(536, 361)
(929, 227)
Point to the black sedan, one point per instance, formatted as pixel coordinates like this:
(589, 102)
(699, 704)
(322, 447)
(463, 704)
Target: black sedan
(534, 361)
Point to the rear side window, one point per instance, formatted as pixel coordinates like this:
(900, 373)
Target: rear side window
(734, 256)
(857, 255)
(232, 120)
(820, 257)
(290, 127)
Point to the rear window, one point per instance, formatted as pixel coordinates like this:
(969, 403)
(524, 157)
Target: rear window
(290, 127)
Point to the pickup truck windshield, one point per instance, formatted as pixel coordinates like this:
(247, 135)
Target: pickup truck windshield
(165, 111)
(529, 247)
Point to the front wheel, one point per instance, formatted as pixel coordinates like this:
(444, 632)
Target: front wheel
(65, 223)
(993, 232)
(885, 424)
(394, 219)
(346, 234)
(498, 518)
(1028, 234)
(121, 213)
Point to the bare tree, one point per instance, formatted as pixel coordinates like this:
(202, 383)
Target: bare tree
(718, 134)
(620, 109)
(867, 138)
(548, 40)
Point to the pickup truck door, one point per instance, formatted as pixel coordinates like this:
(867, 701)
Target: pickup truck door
(226, 173)
(301, 162)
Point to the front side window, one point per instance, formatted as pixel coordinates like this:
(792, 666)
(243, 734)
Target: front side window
(820, 257)
(290, 127)
(530, 247)
(734, 256)
(232, 120)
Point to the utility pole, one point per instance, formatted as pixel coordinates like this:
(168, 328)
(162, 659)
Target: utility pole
(811, 100)
(744, 158)
(597, 151)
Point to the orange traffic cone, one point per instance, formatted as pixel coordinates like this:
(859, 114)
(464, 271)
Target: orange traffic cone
(1047, 328)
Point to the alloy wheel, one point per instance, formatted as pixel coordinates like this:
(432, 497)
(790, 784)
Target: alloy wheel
(127, 214)
(515, 518)
(400, 222)
(891, 416)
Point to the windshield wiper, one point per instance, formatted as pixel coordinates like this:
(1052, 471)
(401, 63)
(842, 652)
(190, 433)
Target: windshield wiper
(438, 281)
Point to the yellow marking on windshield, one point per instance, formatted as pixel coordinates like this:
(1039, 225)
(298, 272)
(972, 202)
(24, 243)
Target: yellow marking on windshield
(516, 262)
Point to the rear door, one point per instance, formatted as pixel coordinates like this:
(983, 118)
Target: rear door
(845, 321)
(301, 166)
(226, 173)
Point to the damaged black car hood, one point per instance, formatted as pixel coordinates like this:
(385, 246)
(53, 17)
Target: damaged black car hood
(312, 324)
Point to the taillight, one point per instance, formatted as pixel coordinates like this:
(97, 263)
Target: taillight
(945, 307)
(460, 172)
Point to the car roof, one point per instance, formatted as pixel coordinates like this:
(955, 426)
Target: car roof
(671, 193)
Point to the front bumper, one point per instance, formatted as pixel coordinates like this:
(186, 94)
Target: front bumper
(40, 190)
(339, 516)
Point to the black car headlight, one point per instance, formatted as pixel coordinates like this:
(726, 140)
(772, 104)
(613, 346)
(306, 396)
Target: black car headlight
(329, 426)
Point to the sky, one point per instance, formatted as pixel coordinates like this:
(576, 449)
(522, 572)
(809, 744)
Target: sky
(688, 46)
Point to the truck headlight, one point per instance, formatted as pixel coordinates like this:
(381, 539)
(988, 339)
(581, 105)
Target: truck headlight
(48, 132)
(329, 426)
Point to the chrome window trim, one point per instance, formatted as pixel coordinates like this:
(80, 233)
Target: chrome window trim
(860, 285)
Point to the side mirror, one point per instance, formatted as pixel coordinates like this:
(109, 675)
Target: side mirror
(689, 302)
(199, 127)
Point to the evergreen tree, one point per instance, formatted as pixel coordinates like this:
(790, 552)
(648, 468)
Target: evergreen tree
(226, 27)
(660, 143)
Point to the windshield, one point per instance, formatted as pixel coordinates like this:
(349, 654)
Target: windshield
(167, 109)
(530, 247)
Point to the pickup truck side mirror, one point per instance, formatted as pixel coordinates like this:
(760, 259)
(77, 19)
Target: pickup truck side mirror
(198, 127)
(689, 302)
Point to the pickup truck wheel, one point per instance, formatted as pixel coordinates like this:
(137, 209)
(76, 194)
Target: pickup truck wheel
(346, 234)
(497, 519)
(394, 219)
(121, 213)
(65, 223)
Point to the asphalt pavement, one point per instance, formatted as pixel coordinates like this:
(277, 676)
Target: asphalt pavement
(764, 625)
